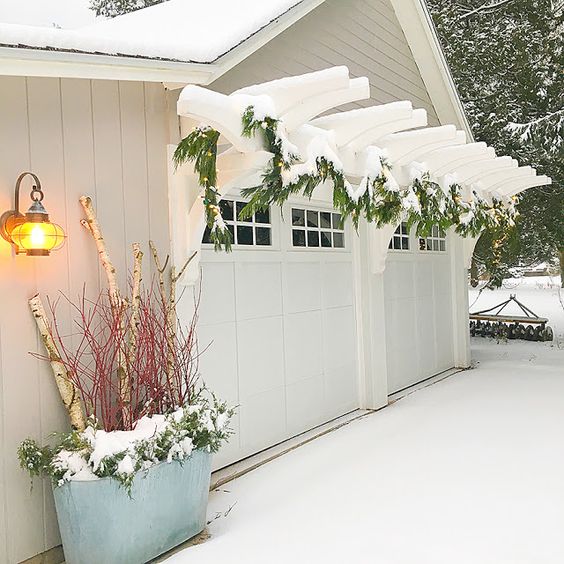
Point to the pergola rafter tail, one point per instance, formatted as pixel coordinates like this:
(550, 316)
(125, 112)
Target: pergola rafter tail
(352, 142)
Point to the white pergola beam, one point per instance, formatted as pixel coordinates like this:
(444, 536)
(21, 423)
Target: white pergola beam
(353, 124)
(357, 89)
(408, 146)
(293, 90)
(493, 181)
(513, 187)
(470, 173)
(447, 160)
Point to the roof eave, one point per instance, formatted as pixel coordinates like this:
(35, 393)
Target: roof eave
(29, 61)
(23, 61)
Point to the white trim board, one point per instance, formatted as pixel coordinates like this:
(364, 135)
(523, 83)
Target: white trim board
(426, 50)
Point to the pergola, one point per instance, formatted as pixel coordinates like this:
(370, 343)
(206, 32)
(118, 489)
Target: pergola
(396, 129)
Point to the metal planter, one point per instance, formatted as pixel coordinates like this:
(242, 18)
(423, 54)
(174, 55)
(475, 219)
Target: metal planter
(100, 523)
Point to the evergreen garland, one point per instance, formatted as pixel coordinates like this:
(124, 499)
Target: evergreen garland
(200, 146)
(379, 200)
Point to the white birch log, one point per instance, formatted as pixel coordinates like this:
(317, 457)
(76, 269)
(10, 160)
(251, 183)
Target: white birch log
(67, 390)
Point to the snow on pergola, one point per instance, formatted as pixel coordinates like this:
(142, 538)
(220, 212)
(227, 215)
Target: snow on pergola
(396, 128)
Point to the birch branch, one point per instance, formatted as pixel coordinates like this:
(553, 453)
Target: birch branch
(93, 227)
(134, 318)
(67, 390)
(116, 301)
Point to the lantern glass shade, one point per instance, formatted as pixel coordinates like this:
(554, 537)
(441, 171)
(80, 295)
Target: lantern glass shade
(38, 238)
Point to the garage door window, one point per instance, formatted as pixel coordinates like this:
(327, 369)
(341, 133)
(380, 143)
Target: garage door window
(400, 239)
(255, 231)
(436, 241)
(317, 229)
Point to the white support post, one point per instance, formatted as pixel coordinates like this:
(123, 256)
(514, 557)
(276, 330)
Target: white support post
(459, 292)
(371, 322)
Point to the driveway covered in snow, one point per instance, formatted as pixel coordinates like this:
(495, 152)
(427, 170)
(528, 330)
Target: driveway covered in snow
(468, 470)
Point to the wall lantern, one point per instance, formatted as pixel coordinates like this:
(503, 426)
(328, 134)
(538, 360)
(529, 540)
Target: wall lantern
(32, 233)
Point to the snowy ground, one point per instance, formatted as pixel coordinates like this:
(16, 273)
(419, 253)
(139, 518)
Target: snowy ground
(466, 471)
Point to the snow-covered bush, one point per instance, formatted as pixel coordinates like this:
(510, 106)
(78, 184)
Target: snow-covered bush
(95, 453)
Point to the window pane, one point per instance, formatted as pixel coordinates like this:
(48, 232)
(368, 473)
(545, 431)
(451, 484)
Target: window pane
(312, 238)
(298, 217)
(422, 245)
(337, 221)
(390, 245)
(207, 236)
(325, 238)
(403, 228)
(226, 207)
(239, 207)
(298, 237)
(405, 243)
(263, 216)
(262, 235)
(338, 240)
(442, 245)
(397, 242)
(232, 231)
(312, 219)
(325, 220)
(244, 235)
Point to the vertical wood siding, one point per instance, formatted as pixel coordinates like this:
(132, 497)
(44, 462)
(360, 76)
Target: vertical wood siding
(364, 35)
(101, 138)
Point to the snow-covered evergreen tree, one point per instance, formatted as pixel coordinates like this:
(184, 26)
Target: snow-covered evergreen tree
(113, 8)
(507, 58)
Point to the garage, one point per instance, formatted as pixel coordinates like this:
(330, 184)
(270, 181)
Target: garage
(418, 303)
(277, 317)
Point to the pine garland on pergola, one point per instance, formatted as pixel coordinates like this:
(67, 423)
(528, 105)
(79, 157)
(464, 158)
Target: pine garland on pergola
(378, 199)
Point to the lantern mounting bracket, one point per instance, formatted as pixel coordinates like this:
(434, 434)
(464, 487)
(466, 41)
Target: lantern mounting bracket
(11, 218)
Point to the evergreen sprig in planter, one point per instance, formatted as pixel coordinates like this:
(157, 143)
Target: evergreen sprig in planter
(131, 479)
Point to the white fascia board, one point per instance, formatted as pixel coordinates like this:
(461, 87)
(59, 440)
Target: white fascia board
(46, 63)
(421, 36)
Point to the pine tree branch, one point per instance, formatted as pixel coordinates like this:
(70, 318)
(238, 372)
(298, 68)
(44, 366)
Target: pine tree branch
(485, 8)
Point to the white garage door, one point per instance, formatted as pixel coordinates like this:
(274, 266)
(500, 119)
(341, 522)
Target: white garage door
(278, 315)
(419, 330)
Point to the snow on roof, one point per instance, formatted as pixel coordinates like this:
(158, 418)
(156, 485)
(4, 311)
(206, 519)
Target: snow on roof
(179, 30)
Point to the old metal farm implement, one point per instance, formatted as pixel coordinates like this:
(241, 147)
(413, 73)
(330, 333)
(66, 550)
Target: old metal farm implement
(493, 323)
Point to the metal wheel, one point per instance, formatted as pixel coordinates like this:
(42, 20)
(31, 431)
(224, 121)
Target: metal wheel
(530, 333)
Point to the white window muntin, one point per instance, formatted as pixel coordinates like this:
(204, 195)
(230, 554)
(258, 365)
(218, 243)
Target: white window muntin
(436, 242)
(400, 240)
(255, 232)
(316, 229)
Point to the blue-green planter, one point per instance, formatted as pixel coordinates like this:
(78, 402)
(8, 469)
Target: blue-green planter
(101, 524)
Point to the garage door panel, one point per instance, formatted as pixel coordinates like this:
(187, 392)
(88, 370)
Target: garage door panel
(340, 390)
(302, 283)
(337, 284)
(339, 338)
(218, 364)
(217, 304)
(258, 287)
(424, 279)
(303, 343)
(399, 279)
(262, 420)
(261, 355)
(441, 276)
(426, 337)
(304, 404)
